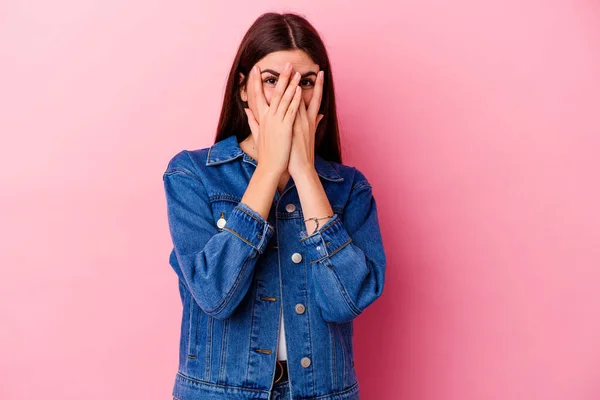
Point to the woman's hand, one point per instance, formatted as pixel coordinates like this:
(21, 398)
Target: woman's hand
(272, 127)
(302, 154)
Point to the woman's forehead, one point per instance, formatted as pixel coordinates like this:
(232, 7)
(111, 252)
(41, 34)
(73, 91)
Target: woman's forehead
(299, 59)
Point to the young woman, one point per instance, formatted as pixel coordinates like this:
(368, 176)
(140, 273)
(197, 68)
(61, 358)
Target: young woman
(276, 243)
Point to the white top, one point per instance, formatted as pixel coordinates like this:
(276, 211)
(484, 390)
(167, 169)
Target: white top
(281, 349)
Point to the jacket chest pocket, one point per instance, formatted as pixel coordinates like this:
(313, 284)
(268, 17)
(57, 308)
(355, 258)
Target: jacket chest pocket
(222, 206)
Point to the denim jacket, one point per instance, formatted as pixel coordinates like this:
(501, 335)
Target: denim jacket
(238, 273)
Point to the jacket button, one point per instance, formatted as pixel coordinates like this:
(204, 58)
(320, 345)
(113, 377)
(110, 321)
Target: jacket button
(290, 207)
(300, 308)
(296, 257)
(305, 362)
(221, 222)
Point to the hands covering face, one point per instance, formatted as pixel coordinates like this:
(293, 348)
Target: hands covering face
(286, 126)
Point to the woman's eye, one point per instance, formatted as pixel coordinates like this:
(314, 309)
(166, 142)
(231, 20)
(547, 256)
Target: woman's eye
(304, 82)
(308, 82)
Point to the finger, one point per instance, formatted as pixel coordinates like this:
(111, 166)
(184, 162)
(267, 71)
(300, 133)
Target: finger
(302, 109)
(319, 118)
(254, 127)
(315, 102)
(292, 110)
(282, 83)
(298, 118)
(257, 91)
(290, 91)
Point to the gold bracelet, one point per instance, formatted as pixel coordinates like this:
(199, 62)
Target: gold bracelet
(317, 221)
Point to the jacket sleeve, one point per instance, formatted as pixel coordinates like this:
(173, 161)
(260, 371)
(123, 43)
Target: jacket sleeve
(347, 257)
(217, 266)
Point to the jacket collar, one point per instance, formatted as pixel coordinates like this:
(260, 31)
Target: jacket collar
(228, 149)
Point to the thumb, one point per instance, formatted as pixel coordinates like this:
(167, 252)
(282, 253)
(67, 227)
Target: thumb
(254, 127)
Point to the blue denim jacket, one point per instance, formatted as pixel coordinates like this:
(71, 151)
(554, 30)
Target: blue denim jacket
(238, 273)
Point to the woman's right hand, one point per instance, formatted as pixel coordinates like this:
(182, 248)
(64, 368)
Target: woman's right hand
(272, 127)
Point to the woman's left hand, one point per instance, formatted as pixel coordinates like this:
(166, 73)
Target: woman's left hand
(302, 153)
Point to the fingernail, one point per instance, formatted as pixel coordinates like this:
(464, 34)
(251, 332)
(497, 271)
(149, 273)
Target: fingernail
(321, 75)
(255, 69)
(288, 66)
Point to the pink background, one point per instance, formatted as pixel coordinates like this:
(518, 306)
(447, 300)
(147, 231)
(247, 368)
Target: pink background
(477, 123)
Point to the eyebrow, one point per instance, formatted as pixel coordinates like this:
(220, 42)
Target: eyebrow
(277, 73)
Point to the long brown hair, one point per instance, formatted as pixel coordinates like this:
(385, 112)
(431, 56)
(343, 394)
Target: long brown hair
(276, 32)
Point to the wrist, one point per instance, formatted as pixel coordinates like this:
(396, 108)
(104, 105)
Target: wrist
(305, 176)
(268, 174)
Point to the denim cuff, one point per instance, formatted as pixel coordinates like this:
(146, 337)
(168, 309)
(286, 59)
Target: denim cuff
(250, 226)
(330, 238)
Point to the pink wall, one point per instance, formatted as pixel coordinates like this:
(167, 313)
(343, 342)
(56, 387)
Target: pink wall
(477, 123)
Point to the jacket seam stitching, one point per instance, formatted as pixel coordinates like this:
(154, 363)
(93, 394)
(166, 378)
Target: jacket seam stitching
(334, 394)
(209, 346)
(334, 368)
(224, 345)
(247, 213)
(355, 310)
(332, 253)
(343, 344)
(203, 382)
(238, 235)
(254, 292)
